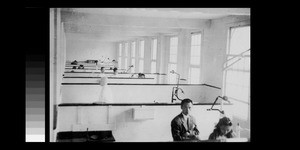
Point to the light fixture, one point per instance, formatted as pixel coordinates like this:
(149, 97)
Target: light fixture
(225, 98)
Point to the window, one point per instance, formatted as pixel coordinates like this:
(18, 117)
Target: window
(172, 77)
(141, 56)
(173, 49)
(195, 49)
(153, 55)
(120, 56)
(237, 73)
(126, 56)
(194, 69)
(195, 75)
(133, 44)
(173, 59)
(153, 67)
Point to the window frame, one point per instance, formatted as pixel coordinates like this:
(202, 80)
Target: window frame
(152, 54)
(236, 70)
(171, 78)
(194, 66)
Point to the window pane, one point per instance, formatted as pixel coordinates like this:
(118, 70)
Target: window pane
(240, 40)
(125, 63)
(237, 81)
(141, 66)
(153, 67)
(120, 62)
(173, 58)
(126, 49)
(173, 50)
(195, 51)
(241, 110)
(247, 63)
(133, 63)
(172, 77)
(142, 49)
(195, 75)
(133, 49)
(154, 49)
(199, 40)
(173, 41)
(172, 67)
(120, 49)
(195, 60)
(196, 39)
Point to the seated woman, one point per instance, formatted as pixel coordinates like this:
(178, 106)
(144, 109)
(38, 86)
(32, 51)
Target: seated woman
(223, 130)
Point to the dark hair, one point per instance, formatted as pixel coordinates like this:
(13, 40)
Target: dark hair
(102, 68)
(115, 69)
(224, 121)
(187, 100)
(141, 75)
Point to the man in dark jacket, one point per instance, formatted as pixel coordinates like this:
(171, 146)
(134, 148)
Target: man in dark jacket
(183, 126)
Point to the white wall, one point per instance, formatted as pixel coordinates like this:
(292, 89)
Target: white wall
(83, 49)
(135, 93)
(57, 63)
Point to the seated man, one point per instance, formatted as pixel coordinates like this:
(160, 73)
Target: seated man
(102, 70)
(183, 126)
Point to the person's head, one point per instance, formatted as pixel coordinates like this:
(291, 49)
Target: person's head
(141, 75)
(115, 70)
(102, 69)
(186, 106)
(224, 125)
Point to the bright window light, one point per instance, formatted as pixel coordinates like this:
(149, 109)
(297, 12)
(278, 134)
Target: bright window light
(173, 49)
(133, 49)
(142, 49)
(172, 77)
(237, 76)
(120, 49)
(154, 49)
(194, 75)
(153, 67)
(126, 49)
(133, 63)
(141, 66)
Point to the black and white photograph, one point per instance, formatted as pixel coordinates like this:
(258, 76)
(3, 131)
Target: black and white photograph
(149, 75)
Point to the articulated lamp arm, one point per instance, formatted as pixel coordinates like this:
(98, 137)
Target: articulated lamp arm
(239, 57)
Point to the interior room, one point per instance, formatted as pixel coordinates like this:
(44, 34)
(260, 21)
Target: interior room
(120, 74)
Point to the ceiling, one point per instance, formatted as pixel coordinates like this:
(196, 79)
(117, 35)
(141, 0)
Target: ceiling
(117, 24)
(191, 13)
